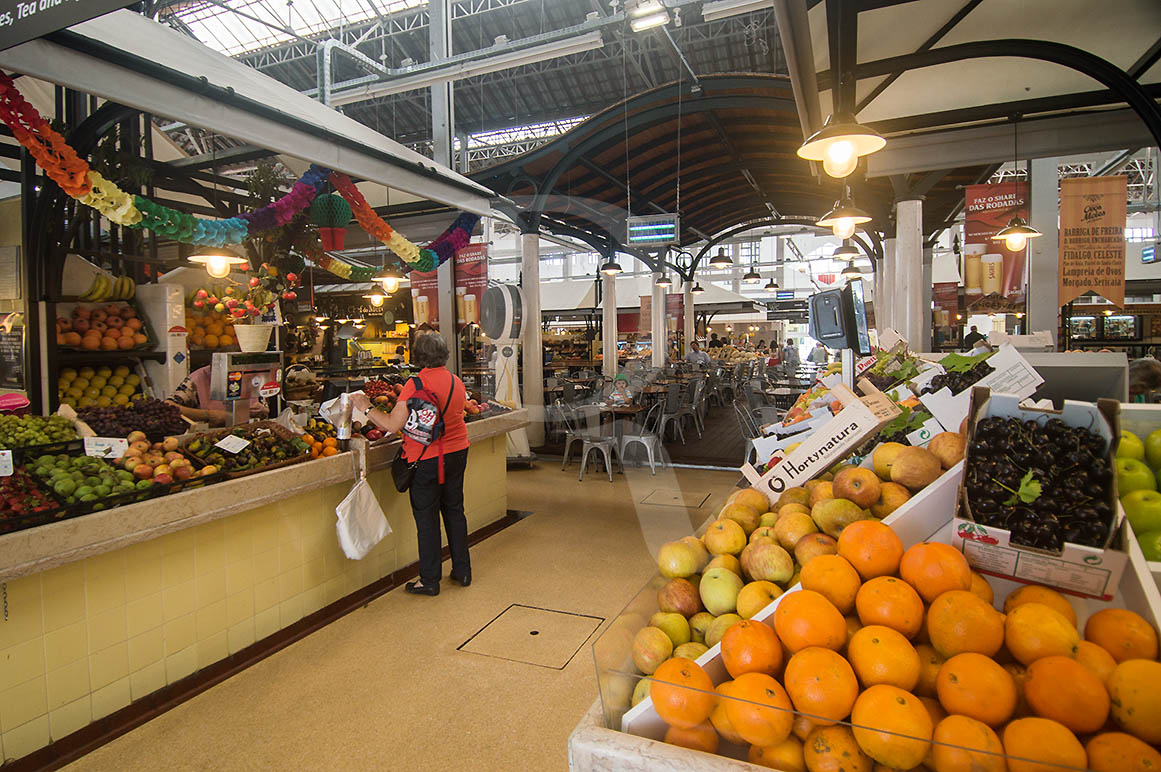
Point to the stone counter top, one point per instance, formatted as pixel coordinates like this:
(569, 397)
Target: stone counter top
(38, 549)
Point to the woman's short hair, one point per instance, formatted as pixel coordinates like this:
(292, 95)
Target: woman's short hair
(1144, 375)
(429, 350)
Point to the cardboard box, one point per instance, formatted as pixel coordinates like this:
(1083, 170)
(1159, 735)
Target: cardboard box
(860, 418)
(1011, 375)
(1085, 571)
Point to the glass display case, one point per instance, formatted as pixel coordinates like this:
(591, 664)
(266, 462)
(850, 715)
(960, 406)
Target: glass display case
(1122, 327)
(1083, 327)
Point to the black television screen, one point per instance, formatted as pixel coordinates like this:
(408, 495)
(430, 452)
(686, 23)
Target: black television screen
(861, 339)
(838, 318)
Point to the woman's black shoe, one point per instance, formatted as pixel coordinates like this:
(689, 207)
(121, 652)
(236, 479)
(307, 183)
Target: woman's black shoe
(419, 588)
(465, 581)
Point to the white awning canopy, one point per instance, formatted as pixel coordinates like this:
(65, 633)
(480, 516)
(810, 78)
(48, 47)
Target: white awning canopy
(133, 60)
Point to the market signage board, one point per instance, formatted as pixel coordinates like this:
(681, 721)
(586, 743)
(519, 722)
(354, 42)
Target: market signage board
(471, 275)
(24, 21)
(1092, 237)
(993, 272)
(654, 229)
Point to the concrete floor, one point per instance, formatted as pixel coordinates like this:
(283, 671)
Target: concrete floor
(388, 687)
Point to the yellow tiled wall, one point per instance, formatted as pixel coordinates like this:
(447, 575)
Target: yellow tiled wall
(84, 640)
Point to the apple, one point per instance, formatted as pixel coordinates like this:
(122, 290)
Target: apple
(651, 647)
(143, 471)
(756, 596)
(674, 625)
(728, 562)
(698, 624)
(679, 596)
(182, 473)
(725, 537)
(821, 491)
(1150, 542)
(766, 561)
(948, 447)
(677, 559)
(884, 457)
(1134, 475)
(787, 508)
(752, 498)
(164, 478)
(764, 532)
(719, 590)
(915, 468)
(640, 691)
(691, 650)
(138, 447)
(1143, 508)
(138, 437)
(767, 519)
(812, 545)
(1153, 449)
(165, 469)
(891, 497)
(793, 496)
(170, 444)
(703, 555)
(834, 515)
(857, 484)
(130, 462)
(717, 628)
(1131, 446)
(207, 470)
(743, 515)
(792, 527)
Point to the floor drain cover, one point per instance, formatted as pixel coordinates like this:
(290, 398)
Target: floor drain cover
(667, 497)
(535, 636)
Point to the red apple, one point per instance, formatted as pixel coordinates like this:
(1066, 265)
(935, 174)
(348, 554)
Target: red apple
(143, 471)
(165, 478)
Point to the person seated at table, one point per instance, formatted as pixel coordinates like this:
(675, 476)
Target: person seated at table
(696, 356)
(620, 394)
(714, 342)
(193, 397)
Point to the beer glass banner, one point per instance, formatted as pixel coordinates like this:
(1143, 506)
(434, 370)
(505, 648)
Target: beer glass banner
(989, 267)
(1092, 237)
(471, 280)
(424, 298)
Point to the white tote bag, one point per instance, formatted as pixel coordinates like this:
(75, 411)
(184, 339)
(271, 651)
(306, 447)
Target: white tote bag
(361, 524)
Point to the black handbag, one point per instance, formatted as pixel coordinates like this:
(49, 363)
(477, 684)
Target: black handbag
(402, 472)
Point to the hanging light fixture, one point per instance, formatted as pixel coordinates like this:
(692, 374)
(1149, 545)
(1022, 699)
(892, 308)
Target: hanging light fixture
(1015, 236)
(646, 14)
(389, 278)
(844, 217)
(721, 259)
(376, 299)
(752, 276)
(771, 285)
(840, 143)
(851, 272)
(611, 267)
(697, 290)
(218, 262)
(663, 280)
(847, 251)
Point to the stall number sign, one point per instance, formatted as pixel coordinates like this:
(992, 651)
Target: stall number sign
(232, 444)
(24, 21)
(106, 447)
(5, 463)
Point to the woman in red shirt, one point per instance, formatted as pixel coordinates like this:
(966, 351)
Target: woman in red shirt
(438, 485)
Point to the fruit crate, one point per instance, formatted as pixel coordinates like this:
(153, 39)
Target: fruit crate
(33, 452)
(10, 522)
(1142, 420)
(927, 516)
(216, 435)
(66, 309)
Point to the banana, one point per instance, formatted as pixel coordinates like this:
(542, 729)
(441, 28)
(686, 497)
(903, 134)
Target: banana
(87, 294)
(104, 290)
(123, 288)
(131, 288)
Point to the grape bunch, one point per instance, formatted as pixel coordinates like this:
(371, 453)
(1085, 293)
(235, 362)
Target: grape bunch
(958, 381)
(29, 430)
(1047, 484)
(156, 418)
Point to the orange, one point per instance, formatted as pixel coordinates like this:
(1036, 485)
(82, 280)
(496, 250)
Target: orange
(1033, 630)
(806, 618)
(929, 664)
(962, 744)
(973, 685)
(1019, 673)
(821, 684)
(719, 718)
(751, 647)
(683, 695)
(1062, 689)
(853, 626)
(1096, 659)
(1120, 752)
(934, 709)
(761, 712)
(330, 442)
(871, 547)
(892, 726)
(1136, 698)
(833, 577)
(881, 655)
(313, 452)
(785, 756)
(1038, 593)
(802, 726)
(892, 603)
(834, 749)
(330, 451)
(308, 438)
(211, 340)
(981, 588)
(1041, 745)
(699, 738)
(960, 621)
(1124, 634)
(933, 568)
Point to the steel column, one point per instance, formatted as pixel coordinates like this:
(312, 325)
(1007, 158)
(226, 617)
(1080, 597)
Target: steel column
(1043, 252)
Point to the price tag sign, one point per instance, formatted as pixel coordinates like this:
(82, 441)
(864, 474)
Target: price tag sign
(232, 444)
(5, 463)
(106, 447)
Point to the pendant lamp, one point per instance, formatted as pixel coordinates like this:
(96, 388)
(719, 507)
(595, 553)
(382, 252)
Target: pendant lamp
(721, 259)
(840, 143)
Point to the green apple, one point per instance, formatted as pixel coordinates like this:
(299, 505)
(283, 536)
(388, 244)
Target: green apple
(1131, 446)
(719, 589)
(1153, 449)
(672, 624)
(1133, 475)
(1143, 508)
(1150, 542)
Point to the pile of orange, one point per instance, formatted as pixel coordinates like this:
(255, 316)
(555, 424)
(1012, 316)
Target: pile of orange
(922, 673)
(321, 448)
(210, 330)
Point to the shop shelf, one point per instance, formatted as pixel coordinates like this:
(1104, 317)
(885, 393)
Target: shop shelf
(74, 357)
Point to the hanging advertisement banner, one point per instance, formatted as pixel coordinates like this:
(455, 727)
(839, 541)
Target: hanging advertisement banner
(471, 269)
(1092, 237)
(945, 296)
(645, 321)
(424, 299)
(990, 268)
(21, 21)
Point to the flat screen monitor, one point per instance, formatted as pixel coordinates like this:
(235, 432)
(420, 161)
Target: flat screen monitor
(861, 338)
(838, 318)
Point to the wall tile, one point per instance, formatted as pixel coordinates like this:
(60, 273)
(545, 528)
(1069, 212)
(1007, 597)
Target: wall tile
(313, 574)
(143, 569)
(181, 664)
(108, 665)
(26, 738)
(264, 527)
(265, 565)
(239, 576)
(144, 614)
(289, 584)
(145, 649)
(179, 600)
(289, 555)
(111, 698)
(178, 567)
(22, 703)
(290, 611)
(180, 634)
(69, 718)
(239, 606)
(313, 598)
(266, 595)
(210, 555)
(67, 684)
(211, 620)
(25, 616)
(212, 649)
(266, 623)
(105, 582)
(21, 662)
(66, 645)
(107, 628)
(179, 541)
(290, 524)
(66, 587)
(147, 680)
(240, 635)
(211, 587)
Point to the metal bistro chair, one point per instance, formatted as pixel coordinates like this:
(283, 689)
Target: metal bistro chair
(757, 409)
(671, 413)
(572, 432)
(594, 440)
(646, 435)
(749, 429)
(689, 405)
(713, 389)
